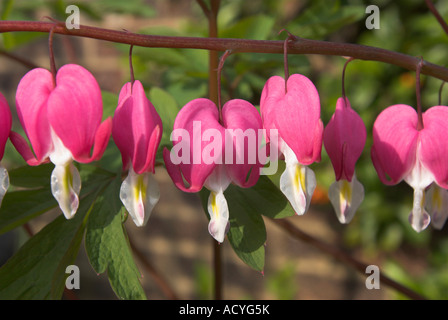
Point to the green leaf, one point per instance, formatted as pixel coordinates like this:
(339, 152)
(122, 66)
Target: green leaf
(31, 176)
(107, 245)
(18, 207)
(110, 103)
(247, 233)
(168, 109)
(37, 270)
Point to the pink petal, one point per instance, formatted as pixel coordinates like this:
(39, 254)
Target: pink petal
(137, 128)
(5, 124)
(273, 90)
(395, 138)
(31, 102)
(434, 147)
(296, 115)
(192, 120)
(24, 150)
(75, 109)
(123, 138)
(344, 139)
(102, 137)
(243, 118)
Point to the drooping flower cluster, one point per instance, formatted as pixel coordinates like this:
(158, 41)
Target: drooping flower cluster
(214, 147)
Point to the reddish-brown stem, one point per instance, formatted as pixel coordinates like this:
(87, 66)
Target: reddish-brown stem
(340, 255)
(343, 78)
(22, 61)
(51, 54)
(285, 56)
(299, 46)
(212, 16)
(220, 66)
(437, 15)
(418, 95)
(440, 93)
(131, 68)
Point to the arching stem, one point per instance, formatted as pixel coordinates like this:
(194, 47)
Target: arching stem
(418, 95)
(290, 37)
(131, 68)
(343, 77)
(51, 54)
(220, 66)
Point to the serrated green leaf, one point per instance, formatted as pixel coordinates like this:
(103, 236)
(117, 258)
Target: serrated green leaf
(20, 206)
(247, 233)
(34, 272)
(31, 176)
(108, 248)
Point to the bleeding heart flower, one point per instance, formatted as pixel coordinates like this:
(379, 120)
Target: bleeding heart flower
(296, 115)
(208, 153)
(63, 123)
(5, 128)
(402, 152)
(137, 131)
(344, 140)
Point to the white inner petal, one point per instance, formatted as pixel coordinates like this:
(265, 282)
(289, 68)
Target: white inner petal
(346, 197)
(419, 178)
(4, 182)
(60, 154)
(219, 215)
(436, 204)
(139, 193)
(65, 187)
(218, 180)
(419, 217)
(297, 182)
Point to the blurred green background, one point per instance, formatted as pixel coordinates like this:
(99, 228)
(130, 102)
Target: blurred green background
(380, 230)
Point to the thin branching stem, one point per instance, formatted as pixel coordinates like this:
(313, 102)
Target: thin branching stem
(299, 46)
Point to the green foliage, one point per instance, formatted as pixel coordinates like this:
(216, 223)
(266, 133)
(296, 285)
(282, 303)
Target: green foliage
(247, 233)
(283, 283)
(107, 245)
(175, 76)
(36, 270)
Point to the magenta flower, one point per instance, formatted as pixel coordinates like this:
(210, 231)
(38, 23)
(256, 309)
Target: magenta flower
(63, 124)
(137, 131)
(5, 128)
(295, 114)
(210, 153)
(344, 140)
(402, 152)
